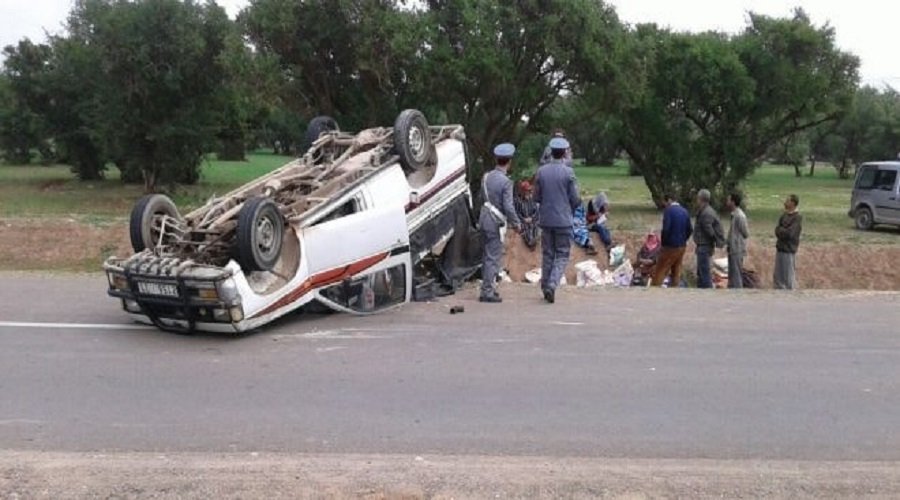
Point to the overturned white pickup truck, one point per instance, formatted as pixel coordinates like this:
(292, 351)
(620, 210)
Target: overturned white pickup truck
(358, 224)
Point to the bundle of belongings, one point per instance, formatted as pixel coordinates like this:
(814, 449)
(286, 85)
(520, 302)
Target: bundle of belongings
(720, 275)
(590, 275)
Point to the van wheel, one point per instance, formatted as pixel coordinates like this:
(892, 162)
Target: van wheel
(260, 235)
(412, 140)
(318, 126)
(146, 219)
(864, 219)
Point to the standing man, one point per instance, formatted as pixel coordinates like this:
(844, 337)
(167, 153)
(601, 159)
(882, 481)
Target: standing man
(788, 235)
(707, 237)
(556, 192)
(548, 156)
(737, 241)
(676, 231)
(498, 209)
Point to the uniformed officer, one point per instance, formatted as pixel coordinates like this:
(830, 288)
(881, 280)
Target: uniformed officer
(556, 191)
(497, 214)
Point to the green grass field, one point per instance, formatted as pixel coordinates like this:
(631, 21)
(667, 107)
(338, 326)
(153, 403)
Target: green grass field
(37, 191)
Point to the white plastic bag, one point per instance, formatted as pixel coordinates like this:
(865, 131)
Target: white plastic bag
(623, 274)
(616, 256)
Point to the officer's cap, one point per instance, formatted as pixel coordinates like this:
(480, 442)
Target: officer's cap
(505, 150)
(559, 143)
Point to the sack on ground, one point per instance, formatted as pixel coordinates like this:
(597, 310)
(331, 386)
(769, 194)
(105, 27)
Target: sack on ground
(616, 256)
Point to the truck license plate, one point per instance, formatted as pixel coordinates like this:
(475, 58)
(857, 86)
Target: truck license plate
(163, 289)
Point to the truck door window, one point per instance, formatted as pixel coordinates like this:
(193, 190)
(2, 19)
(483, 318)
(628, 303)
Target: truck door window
(372, 292)
(349, 207)
(866, 178)
(886, 179)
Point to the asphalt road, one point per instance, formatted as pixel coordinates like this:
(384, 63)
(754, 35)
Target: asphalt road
(617, 374)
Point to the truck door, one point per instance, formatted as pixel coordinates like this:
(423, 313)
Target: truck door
(884, 195)
(359, 261)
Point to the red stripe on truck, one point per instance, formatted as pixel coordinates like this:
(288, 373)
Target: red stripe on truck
(324, 279)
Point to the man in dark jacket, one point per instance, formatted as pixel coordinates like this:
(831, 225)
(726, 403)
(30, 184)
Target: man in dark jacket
(787, 233)
(556, 192)
(676, 231)
(707, 237)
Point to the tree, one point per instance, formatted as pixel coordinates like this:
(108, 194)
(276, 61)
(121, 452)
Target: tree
(343, 58)
(712, 105)
(157, 95)
(498, 67)
(593, 133)
(23, 127)
(250, 95)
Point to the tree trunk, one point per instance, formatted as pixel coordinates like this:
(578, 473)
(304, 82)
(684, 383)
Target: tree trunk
(812, 166)
(232, 150)
(797, 172)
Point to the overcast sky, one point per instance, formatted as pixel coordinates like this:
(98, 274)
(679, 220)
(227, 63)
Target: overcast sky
(867, 28)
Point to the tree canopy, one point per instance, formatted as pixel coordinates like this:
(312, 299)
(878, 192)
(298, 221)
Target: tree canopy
(152, 86)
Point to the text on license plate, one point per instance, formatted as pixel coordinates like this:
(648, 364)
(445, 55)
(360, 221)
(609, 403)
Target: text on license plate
(164, 289)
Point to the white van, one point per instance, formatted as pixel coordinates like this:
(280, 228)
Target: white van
(345, 228)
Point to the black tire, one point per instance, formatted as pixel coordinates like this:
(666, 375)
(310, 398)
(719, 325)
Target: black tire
(143, 218)
(260, 235)
(412, 140)
(864, 219)
(318, 126)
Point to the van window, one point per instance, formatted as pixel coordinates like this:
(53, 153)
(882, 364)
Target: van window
(866, 178)
(370, 293)
(349, 207)
(886, 179)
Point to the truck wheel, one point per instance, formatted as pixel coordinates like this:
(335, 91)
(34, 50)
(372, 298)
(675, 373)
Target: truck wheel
(260, 234)
(318, 126)
(146, 218)
(412, 139)
(864, 219)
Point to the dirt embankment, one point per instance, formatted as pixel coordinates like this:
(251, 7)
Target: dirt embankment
(819, 266)
(78, 245)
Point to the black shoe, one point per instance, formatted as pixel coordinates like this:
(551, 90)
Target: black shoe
(549, 296)
(491, 300)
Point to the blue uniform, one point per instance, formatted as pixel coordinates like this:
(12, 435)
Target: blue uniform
(556, 192)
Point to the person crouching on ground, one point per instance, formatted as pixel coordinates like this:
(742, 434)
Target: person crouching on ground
(787, 232)
(647, 258)
(556, 192)
(527, 210)
(580, 233)
(498, 212)
(597, 213)
(738, 234)
(676, 231)
(708, 236)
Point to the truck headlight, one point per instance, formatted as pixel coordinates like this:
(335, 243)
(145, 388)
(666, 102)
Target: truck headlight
(117, 281)
(228, 291)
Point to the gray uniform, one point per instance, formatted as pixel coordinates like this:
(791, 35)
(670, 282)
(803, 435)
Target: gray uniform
(737, 248)
(498, 190)
(556, 190)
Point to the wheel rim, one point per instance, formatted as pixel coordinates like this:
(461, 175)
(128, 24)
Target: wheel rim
(417, 142)
(862, 219)
(265, 236)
